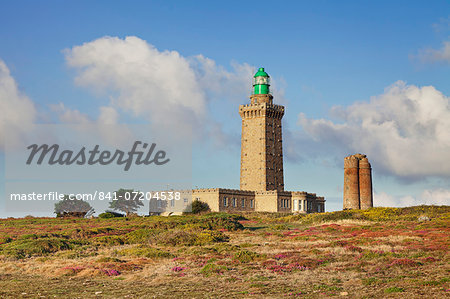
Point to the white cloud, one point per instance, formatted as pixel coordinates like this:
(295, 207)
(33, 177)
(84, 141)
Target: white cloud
(162, 87)
(436, 55)
(404, 131)
(428, 197)
(69, 116)
(108, 115)
(17, 110)
(140, 74)
(437, 196)
(165, 88)
(216, 81)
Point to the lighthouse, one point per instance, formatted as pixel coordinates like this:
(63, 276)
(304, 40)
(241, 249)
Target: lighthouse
(262, 182)
(261, 141)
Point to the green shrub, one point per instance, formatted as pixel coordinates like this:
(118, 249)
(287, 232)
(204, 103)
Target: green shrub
(210, 236)
(224, 248)
(100, 230)
(211, 221)
(78, 252)
(279, 227)
(178, 237)
(142, 235)
(109, 240)
(245, 256)
(28, 237)
(30, 247)
(88, 233)
(216, 221)
(110, 214)
(209, 269)
(144, 251)
(198, 207)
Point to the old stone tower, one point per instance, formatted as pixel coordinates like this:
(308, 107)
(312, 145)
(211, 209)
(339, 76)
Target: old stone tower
(357, 182)
(261, 143)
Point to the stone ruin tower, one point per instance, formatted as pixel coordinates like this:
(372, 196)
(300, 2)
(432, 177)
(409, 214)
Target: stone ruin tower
(357, 182)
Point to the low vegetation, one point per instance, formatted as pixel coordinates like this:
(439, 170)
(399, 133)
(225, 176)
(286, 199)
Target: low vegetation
(380, 252)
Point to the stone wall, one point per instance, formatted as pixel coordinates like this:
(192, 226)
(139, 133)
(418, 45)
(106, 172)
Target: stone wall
(351, 183)
(365, 184)
(358, 192)
(232, 200)
(236, 200)
(261, 145)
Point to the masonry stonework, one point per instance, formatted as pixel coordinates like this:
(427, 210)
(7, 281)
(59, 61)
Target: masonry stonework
(261, 144)
(358, 192)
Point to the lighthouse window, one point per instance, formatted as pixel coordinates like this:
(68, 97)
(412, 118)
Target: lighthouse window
(261, 80)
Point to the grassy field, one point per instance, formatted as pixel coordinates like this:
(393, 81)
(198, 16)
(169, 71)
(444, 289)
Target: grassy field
(378, 253)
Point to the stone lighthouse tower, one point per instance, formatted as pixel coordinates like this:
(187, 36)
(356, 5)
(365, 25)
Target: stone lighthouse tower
(261, 143)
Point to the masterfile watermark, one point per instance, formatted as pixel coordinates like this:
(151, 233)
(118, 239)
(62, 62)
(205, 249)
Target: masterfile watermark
(105, 157)
(82, 159)
(97, 195)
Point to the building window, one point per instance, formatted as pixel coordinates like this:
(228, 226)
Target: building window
(243, 203)
(185, 200)
(234, 202)
(320, 208)
(225, 202)
(251, 203)
(285, 203)
(172, 203)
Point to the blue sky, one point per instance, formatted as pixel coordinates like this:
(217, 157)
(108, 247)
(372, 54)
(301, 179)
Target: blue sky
(320, 55)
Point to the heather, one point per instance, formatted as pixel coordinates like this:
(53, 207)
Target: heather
(375, 253)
